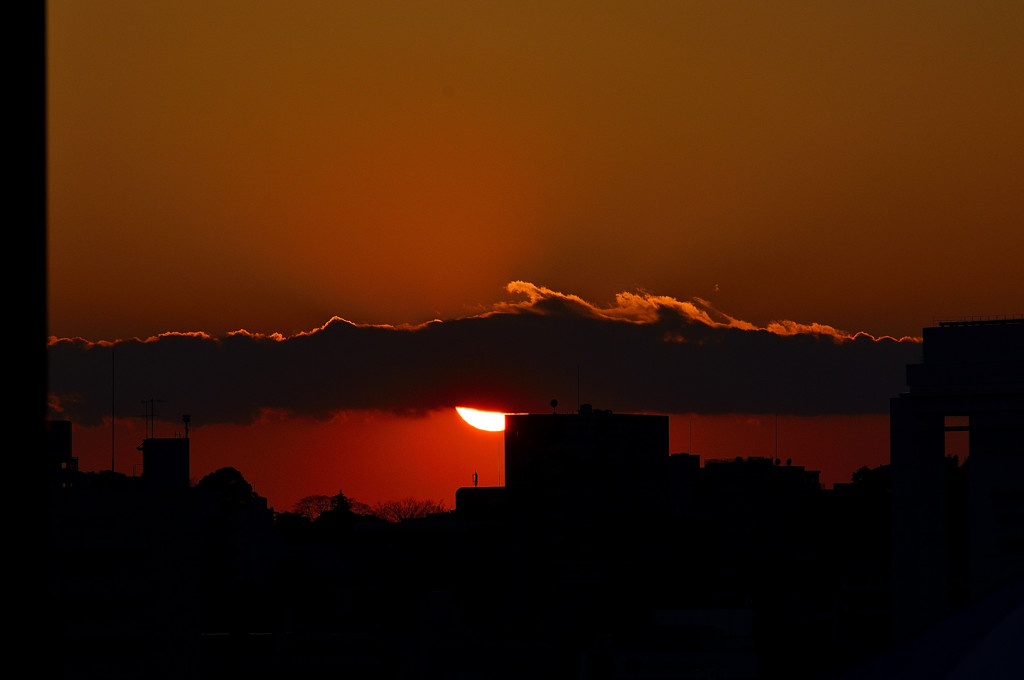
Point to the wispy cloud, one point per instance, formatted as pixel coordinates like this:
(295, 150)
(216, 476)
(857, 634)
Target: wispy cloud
(642, 353)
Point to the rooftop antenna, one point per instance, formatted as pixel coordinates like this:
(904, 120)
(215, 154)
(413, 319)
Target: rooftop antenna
(776, 436)
(149, 405)
(186, 419)
(577, 388)
(691, 434)
(113, 406)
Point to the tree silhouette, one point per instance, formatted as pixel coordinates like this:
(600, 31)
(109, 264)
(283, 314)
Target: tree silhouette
(311, 507)
(230, 485)
(407, 508)
(340, 501)
(877, 478)
(339, 516)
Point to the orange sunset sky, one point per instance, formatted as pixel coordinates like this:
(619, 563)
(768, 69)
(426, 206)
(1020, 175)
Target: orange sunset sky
(267, 166)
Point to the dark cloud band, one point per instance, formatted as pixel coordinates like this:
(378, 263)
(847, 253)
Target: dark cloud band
(645, 353)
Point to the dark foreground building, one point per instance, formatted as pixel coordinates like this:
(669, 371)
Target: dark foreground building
(952, 545)
(627, 562)
(147, 576)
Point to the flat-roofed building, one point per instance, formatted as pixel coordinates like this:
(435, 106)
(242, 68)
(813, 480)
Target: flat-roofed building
(564, 465)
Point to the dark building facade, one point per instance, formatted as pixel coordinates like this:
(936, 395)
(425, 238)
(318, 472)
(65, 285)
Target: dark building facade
(971, 380)
(62, 465)
(165, 462)
(571, 465)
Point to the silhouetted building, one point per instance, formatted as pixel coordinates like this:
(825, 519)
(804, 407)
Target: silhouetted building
(148, 577)
(755, 477)
(971, 379)
(572, 465)
(165, 462)
(123, 578)
(481, 502)
(62, 465)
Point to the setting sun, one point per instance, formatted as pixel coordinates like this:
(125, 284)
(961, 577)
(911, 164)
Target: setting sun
(491, 421)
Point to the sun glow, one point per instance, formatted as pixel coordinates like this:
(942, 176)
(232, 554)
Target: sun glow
(491, 421)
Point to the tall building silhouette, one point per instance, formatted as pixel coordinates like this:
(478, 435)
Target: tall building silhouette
(971, 380)
(571, 465)
(62, 465)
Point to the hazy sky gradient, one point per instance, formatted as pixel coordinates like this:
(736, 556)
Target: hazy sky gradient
(266, 165)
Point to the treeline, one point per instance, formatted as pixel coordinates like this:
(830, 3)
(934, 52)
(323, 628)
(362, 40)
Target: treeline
(312, 507)
(232, 487)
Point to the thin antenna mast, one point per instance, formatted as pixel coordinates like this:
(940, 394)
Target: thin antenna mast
(113, 405)
(149, 405)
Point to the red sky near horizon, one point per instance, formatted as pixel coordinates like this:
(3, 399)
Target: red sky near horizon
(267, 166)
(373, 456)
